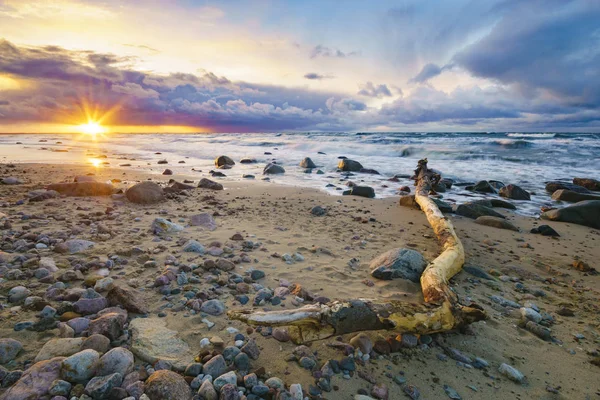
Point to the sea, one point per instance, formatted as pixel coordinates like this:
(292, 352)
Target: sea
(525, 159)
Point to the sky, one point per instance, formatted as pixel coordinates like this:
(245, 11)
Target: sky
(278, 66)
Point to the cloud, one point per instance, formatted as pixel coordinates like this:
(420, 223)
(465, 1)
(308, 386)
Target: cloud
(323, 51)
(315, 76)
(429, 71)
(370, 90)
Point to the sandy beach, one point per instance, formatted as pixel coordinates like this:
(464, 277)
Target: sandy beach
(328, 256)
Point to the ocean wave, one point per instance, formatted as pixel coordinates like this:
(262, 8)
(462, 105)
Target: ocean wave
(532, 135)
(512, 144)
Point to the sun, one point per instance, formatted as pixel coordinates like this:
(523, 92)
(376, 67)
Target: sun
(92, 128)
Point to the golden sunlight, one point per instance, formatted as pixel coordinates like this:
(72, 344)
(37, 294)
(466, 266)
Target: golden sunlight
(92, 129)
(95, 162)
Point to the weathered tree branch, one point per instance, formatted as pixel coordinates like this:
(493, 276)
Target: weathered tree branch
(441, 311)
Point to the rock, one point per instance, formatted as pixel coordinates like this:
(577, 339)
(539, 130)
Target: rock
(207, 391)
(442, 205)
(9, 349)
(398, 263)
(318, 211)
(247, 160)
(129, 298)
(224, 379)
(545, 230)
(273, 169)
(206, 183)
(145, 193)
(11, 180)
(162, 226)
(588, 183)
(229, 392)
(281, 335)
(116, 360)
(583, 213)
(362, 191)
(90, 306)
(483, 187)
(100, 387)
(478, 272)
(225, 265)
(251, 348)
(511, 373)
(97, 342)
(167, 385)
(409, 201)
(474, 211)
(17, 294)
(77, 245)
(380, 391)
(496, 222)
(362, 342)
(307, 163)
(109, 325)
(514, 192)
(193, 246)
(213, 307)
(151, 341)
(349, 165)
(215, 367)
(167, 172)
(451, 393)
(223, 160)
(80, 367)
(572, 197)
(60, 347)
(82, 189)
(529, 314)
(60, 388)
(35, 381)
(555, 185)
(204, 220)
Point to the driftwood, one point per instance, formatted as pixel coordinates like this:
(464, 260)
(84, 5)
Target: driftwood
(440, 312)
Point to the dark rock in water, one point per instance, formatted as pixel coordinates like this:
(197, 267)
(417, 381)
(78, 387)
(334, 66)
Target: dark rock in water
(318, 211)
(556, 185)
(368, 171)
(447, 182)
(80, 189)
(247, 161)
(273, 169)
(206, 183)
(162, 162)
(478, 272)
(216, 173)
(545, 230)
(442, 205)
(167, 172)
(474, 211)
(166, 385)
(363, 191)
(307, 163)
(514, 192)
(36, 381)
(398, 263)
(223, 160)
(483, 187)
(145, 193)
(495, 203)
(588, 183)
(573, 197)
(496, 184)
(349, 165)
(439, 188)
(496, 222)
(409, 201)
(583, 213)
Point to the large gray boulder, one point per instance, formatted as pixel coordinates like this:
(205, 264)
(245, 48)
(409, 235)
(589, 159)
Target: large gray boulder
(573, 197)
(145, 193)
(307, 163)
(583, 213)
(588, 183)
(399, 263)
(557, 185)
(483, 187)
(223, 160)
(273, 169)
(349, 165)
(514, 192)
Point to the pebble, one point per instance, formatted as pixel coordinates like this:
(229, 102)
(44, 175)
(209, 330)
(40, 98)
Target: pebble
(511, 373)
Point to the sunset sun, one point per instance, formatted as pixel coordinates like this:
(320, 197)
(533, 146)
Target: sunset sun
(92, 128)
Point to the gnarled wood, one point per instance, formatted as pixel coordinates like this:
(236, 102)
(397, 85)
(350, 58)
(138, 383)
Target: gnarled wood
(441, 311)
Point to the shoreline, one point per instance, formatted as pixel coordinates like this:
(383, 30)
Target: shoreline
(523, 265)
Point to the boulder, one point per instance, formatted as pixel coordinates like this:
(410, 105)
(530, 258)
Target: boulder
(399, 263)
(215, 367)
(483, 187)
(573, 197)
(545, 230)
(514, 192)
(588, 183)
(206, 183)
(167, 385)
(349, 165)
(100, 387)
(81, 189)
(59, 347)
(362, 191)
(247, 160)
(145, 193)
(9, 349)
(496, 222)
(74, 246)
(176, 187)
(151, 341)
(223, 160)
(273, 169)
(307, 163)
(35, 381)
(109, 325)
(116, 360)
(129, 298)
(583, 213)
(161, 226)
(557, 185)
(204, 220)
(80, 367)
(474, 211)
